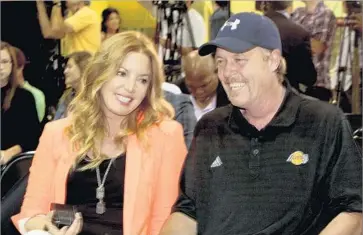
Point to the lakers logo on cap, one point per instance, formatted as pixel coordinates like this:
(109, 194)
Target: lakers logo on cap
(298, 158)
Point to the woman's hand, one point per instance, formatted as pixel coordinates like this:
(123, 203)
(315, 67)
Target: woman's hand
(40, 222)
(44, 223)
(74, 229)
(8, 154)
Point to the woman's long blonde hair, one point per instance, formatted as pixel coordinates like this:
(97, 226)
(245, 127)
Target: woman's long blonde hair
(88, 124)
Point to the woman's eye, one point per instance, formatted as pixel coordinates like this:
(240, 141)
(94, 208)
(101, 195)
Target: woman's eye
(144, 80)
(121, 73)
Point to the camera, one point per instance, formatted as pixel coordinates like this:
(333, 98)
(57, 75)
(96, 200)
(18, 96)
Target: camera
(174, 5)
(353, 7)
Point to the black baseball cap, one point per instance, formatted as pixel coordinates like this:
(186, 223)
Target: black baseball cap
(242, 32)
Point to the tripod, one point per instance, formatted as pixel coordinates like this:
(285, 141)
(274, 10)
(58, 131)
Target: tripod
(349, 64)
(171, 19)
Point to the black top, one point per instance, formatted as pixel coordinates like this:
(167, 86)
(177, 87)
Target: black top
(19, 124)
(296, 50)
(81, 191)
(292, 177)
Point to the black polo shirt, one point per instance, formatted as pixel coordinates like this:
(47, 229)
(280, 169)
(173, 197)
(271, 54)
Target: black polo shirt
(292, 177)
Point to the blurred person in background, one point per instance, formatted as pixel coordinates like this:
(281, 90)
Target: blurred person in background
(37, 94)
(320, 22)
(190, 37)
(296, 47)
(219, 17)
(81, 30)
(184, 113)
(201, 81)
(75, 67)
(110, 23)
(20, 128)
(118, 155)
(350, 39)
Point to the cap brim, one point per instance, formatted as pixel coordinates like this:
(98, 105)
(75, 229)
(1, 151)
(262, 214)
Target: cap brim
(230, 44)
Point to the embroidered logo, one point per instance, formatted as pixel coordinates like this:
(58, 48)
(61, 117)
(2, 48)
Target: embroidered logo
(298, 158)
(233, 25)
(217, 162)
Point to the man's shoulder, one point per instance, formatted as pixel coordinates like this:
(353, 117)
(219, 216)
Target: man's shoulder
(176, 99)
(320, 111)
(298, 11)
(327, 11)
(216, 117)
(88, 12)
(290, 30)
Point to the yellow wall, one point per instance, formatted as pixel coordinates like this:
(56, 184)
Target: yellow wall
(134, 16)
(243, 6)
(99, 6)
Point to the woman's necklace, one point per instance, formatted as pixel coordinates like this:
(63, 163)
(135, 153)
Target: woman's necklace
(100, 191)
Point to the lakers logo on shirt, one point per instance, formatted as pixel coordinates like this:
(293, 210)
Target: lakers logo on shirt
(298, 158)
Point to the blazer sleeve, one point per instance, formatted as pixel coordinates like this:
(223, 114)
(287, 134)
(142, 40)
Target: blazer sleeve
(38, 194)
(167, 182)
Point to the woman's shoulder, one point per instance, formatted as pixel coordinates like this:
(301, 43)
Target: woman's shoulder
(58, 125)
(167, 128)
(23, 95)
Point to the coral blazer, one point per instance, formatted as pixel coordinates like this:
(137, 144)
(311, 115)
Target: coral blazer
(151, 176)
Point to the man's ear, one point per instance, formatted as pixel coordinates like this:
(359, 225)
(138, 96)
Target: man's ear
(275, 60)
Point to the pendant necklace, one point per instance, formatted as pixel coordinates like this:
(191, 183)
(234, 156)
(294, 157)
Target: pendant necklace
(100, 191)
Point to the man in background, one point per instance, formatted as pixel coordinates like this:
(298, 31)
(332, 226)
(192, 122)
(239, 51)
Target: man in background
(320, 22)
(81, 31)
(296, 48)
(184, 113)
(219, 17)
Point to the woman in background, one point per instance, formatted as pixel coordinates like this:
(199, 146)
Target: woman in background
(117, 157)
(75, 67)
(20, 127)
(110, 23)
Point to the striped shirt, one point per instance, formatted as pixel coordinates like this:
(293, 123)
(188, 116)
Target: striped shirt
(321, 24)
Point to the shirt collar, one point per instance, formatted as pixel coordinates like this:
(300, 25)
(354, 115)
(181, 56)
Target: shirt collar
(212, 104)
(285, 13)
(285, 116)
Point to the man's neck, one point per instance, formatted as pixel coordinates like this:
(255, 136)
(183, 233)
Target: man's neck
(311, 5)
(261, 113)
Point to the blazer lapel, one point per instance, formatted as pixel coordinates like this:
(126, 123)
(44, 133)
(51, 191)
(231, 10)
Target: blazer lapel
(65, 163)
(132, 175)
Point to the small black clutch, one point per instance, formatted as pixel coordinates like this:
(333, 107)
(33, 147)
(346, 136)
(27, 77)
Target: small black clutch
(64, 215)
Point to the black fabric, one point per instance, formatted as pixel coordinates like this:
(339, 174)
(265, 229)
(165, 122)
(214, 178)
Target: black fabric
(239, 180)
(81, 191)
(10, 205)
(222, 98)
(296, 50)
(20, 124)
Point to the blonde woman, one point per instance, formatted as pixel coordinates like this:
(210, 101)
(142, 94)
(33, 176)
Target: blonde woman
(117, 157)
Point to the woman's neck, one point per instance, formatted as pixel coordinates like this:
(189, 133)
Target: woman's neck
(111, 32)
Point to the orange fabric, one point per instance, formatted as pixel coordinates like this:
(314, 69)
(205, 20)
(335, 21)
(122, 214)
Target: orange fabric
(151, 176)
